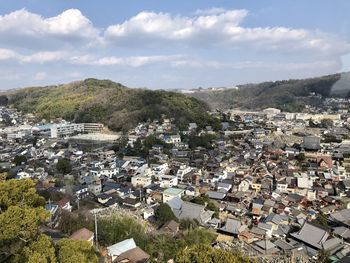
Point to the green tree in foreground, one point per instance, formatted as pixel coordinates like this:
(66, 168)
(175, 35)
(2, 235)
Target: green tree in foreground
(208, 254)
(164, 213)
(21, 215)
(19, 193)
(40, 251)
(72, 251)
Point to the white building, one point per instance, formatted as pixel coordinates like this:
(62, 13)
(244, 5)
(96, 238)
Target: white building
(183, 171)
(171, 193)
(68, 129)
(168, 181)
(141, 181)
(108, 172)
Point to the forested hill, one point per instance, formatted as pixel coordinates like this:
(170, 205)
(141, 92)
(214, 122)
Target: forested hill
(288, 95)
(117, 106)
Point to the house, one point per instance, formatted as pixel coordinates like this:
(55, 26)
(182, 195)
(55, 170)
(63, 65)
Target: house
(215, 195)
(64, 204)
(265, 247)
(80, 191)
(171, 193)
(246, 237)
(283, 246)
(132, 202)
(53, 211)
(107, 172)
(83, 234)
(135, 255)
(95, 189)
(188, 210)
(275, 220)
(233, 227)
(244, 186)
(171, 226)
(224, 186)
(342, 232)
(141, 181)
(148, 212)
(267, 228)
(172, 139)
(126, 251)
(341, 217)
(315, 237)
(183, 171)
(167, 181)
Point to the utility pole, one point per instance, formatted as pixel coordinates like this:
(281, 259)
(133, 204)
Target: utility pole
(50, 213)
(96, 239)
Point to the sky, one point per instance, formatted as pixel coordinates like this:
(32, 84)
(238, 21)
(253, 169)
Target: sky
(163, 44)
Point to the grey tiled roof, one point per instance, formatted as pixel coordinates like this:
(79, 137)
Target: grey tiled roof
(311, 235)
(342, 216)
(232, 226)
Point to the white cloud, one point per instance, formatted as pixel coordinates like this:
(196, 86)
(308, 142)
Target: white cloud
(40, 76)
(6, 54)
(164, 26)
(133, 61)
(26, 29)
(275, 66)
(210, 11)
(214, 27)
(171, 61)
(218, 27)
(44, 57)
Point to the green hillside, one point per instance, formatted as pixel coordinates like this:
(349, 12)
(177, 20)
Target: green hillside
(117, 106)
(288, 95)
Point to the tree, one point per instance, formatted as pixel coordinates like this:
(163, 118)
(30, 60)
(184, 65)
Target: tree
(20, 216)
(208, 254)
(3, 100)
(71, 222)
(19, 193)
(321, 220)
(326, 123)
(120, 227)
(3, 176)
(324, 256)
(72, 251)
(198, 236)
(186, 224)
(40, 251)
(19, 226)
(300, 157)
(210, 205)
(19, 159)
(164, 213)
(63, 166)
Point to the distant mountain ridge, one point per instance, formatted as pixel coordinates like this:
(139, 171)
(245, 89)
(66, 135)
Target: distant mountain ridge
(288, 95)
(117, 106)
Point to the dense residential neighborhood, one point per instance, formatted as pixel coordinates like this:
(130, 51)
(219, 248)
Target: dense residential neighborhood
(270, 184)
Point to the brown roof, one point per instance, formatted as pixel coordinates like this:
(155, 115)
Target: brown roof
(63, 201)
(171, 225)
(135, 255)
(82, 234)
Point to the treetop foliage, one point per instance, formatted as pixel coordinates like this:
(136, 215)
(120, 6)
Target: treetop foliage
(113, 104)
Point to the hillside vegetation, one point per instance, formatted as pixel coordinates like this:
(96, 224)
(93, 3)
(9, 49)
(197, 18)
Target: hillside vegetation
(288, 95)
(117, 106)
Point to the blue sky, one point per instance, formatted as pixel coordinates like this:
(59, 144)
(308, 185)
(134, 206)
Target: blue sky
(171, 44)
